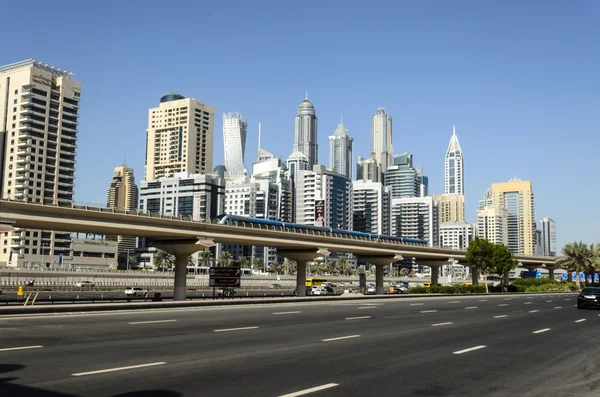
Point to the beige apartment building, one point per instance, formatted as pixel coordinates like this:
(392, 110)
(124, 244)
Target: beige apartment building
(39, 106)
(516, 196)
(492, 224)
(452, 207)
(179, 137)
(123, 194)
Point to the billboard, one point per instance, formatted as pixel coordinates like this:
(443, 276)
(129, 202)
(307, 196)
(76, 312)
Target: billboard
(320, 213)
(197, 207)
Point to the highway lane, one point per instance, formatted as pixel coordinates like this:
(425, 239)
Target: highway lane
(394, 342)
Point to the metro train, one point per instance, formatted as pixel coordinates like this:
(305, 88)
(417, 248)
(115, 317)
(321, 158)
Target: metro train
(228, 219)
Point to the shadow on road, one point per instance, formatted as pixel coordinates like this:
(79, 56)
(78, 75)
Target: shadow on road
(10, 389)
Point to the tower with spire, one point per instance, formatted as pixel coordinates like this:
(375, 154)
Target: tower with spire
(305, 139)
(340, 151)
(454, 181)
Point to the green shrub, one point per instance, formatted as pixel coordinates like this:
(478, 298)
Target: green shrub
(530, 282)
(552, 287)
(449, 289)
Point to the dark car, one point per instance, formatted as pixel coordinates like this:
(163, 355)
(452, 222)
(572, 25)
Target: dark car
(308, 291)
(588, 297)
(226, 291)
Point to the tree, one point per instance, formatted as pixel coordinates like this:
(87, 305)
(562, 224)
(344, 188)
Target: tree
(163, 260)
(132, 261)
(502, 262)
(205, 258)
(360, 270)
(576, 257)
(276, 268)
(318, 267)
(343, 266)
(258, 264)
(225, 260)
(244, 262)
(332, 267)
(289, 266)
(404, 272)
(479, 256)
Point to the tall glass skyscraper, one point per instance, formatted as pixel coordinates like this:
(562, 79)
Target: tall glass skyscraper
(454, 167)
(340, 151)
(305, 140)
(234, 143)
(381, 138)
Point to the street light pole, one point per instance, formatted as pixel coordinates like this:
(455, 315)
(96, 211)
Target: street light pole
(127, 265)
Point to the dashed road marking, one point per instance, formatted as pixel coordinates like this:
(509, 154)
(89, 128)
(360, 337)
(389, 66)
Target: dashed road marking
(234, 329)
(311, 390)
(357, 318)
(539, 331)
(441, 324)
(428, 311)
(103, 371)
(6, 349)
(580, 320)
(470, 349)
(500, 316)
(340, 338)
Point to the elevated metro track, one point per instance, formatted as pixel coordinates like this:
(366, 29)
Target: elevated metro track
(182, 236)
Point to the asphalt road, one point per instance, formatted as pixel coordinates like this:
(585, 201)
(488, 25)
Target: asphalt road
(451, 346)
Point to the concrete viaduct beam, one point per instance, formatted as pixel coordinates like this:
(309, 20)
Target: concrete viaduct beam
(301, 256)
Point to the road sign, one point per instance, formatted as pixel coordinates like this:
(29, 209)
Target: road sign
(224, 282)
(234, 272)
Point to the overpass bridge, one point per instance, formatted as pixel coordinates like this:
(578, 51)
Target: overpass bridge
(181, 236)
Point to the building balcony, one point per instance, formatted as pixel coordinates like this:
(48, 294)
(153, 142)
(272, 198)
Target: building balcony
(22, 176)
(16, 237)
(23, 160)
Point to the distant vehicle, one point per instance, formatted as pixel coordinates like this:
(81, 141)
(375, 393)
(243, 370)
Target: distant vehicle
(225, 291)
(308, 291)
(135, 291)
(275, 286)
(29, 283)
(371, 289)
(87, 283)
(312, 281)
(588, 297)
(318, 290)
(427, 284)
(398, 289)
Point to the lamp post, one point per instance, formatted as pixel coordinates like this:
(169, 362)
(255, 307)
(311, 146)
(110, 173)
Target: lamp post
(42, 249)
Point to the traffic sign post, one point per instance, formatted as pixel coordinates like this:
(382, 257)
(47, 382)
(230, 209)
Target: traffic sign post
(224, 282)
(226, 277)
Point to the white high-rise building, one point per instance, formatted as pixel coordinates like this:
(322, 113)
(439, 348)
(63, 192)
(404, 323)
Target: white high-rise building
(548, 228)
(305, 140)
(381, 138)
(179, 137)
(457, 235)
(324, 197)
(492, 224)
(371, 206)
(234, 143)
(340, 151)
(455, 177)
(416, 217)
(39, 117)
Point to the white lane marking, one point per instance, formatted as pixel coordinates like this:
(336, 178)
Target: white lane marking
(533, 311)
(483, 300)
(152, 322)
(528, 303)
(507, 299)
(500, 316)
(103, 371)
(558, 307)
(340, 338)
(454, 302)
(580, 320)
(288, 312)
(568, 299)
(428, 311)
(539, 331)
(470, 307)
(6, 349)
(440, 324)
(503, 304)
(368, 307)
(416, 304)
(369, 304)
(234, 329)
(549, 301)
(470, 349)
(357, 318)
(311, 390)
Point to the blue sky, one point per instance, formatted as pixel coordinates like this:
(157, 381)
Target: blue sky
(519, 79)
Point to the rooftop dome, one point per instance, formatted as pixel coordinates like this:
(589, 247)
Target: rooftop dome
(171, 97)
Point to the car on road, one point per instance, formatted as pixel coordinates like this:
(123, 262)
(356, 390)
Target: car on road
(308, 291)
(225, 291)
(318, 290)
(588, 297)
(371, 290)
(135, 291)
(398, 289)
(275, 286)
(88, 283)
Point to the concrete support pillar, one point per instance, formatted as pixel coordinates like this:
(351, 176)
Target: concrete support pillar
(379, 269)
(301, 278)
(181, 262)
(435, 272)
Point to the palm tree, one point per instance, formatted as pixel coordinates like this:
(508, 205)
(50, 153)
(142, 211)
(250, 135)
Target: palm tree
(244, 262)
(332, 267)
(404, 272)
(343, 266)
(132, 262)
(360, 270)
(576, 257)
(225, 260)
(258, 264)
(205, 258)
(318, 267)
(289, 266)
(276, 267)
(163, 260)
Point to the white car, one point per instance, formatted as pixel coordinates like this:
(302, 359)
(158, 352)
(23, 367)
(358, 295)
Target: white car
(135, 291)
(371, 289)
(318, 290)
(85, 284)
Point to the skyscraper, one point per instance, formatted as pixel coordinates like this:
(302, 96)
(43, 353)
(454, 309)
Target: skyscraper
(454, 167)
(403, 180)
(39, 115)
(416, 217)
(340, 151)
(371, 207)
(548, 228)
(492, 224)
(381, 138)
(305, 140)
(368, 169)
(179, 137)
(452, 207)
(517, 197)
(123, 194)
(234, 143)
